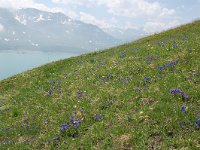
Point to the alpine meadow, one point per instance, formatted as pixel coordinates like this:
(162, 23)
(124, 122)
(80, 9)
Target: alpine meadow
(140, 95)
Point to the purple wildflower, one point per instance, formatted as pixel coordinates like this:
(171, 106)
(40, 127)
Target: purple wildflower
(26, 122)
(107, 105)
(197, 123)
(149, 57)
(175, 91)
(99, 117)
(183, 109)
(72, 118)
(64, 127)
(49, 141)
(109, 75)
(76, 123)
(184, 96)
(147, 78)
(160, 68)
(50, 92)
(196, 74)
(55, 137)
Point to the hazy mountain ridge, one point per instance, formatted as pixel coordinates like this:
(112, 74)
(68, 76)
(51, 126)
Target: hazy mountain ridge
(126, 34)
(32, 29)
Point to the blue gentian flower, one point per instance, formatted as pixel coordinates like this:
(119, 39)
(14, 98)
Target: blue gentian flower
(197, 123)
(109, 75)
(147, 78)
(175, 91)
(52, 82)
(49, 141)
(107, 105)
(82, 110)
(26, 122)
(196, 74)
(160, 68)
(64, 127)
(76, 123)
(50, 92)
(149, 58)
(99, 117)
(183, 109)
(184, 96)
(56, 137)
(72, 118)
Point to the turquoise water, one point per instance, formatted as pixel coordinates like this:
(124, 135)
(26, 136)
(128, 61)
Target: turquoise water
(12, 62)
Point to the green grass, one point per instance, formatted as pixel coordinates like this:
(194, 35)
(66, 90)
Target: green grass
(134, 112)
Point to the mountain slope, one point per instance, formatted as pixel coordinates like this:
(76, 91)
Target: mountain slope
(126, 35)
(32, 29)
(142, 95)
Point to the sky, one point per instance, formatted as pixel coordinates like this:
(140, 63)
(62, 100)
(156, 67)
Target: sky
(147, 15)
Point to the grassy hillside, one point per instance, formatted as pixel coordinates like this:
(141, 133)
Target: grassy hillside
(142, 95)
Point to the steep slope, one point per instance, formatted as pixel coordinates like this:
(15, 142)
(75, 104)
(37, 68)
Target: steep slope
(32, 29)
(142, 95)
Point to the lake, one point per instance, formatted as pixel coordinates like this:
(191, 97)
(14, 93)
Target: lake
(14, 62)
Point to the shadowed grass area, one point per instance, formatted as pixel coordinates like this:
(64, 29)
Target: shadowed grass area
(141, 95)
